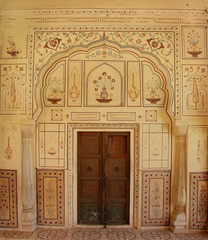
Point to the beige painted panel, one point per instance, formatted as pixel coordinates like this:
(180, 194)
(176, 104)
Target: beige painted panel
(156, 4)
(50, 198)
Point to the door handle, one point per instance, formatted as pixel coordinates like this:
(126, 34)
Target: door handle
(116, 169)
(89, 169)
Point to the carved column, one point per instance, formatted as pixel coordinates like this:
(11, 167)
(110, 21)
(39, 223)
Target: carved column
(179, 220)
(28, 186)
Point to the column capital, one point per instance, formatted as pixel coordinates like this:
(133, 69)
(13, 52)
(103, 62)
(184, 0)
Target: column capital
(180, 130)
(27, 127)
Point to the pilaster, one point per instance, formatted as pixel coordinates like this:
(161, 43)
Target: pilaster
(179, 219)
(29, 221)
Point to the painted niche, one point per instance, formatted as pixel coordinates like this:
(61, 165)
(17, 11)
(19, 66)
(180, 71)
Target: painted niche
(104, 83)
(195, 89)
(74, 83)
(55, 86)
(198, 149)
(13, 88)
(134, 83)
(153, 94)
(194, 42)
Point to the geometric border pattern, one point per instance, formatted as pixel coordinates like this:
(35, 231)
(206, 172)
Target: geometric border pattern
(58, 175)
(101, 234)
(147, 176)
(56, 115)
(195, 178)
(151, 115)
(11, 191)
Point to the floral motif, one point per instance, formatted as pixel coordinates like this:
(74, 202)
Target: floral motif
(198, 200)
(155, 44)
(104, 82)
(155, 200)
(202, 205)
(53, 43)
(164, 50)
(86, 234)
(56, 114)
(195, 98)
(153, 96)
(9, 150)
(195, 89)
(193, 44)
(52, 234)
(55, 89)
(12, 49)
(104, 52)
(50, 203)
(161, 43)
(13, 87)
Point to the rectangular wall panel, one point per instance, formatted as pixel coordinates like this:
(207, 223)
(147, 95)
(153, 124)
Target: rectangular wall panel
(198, 201)
(194, 42)
(85, 116)
(156, 198)
(8, 198)
(13, 89)
(195, 90)
(134, 79)
(155, 146)
(121, 116)
(51, 200)
(75, 83)
(51, 145)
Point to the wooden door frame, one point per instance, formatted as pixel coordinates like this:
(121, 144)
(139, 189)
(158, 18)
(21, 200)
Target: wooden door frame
(73, 130)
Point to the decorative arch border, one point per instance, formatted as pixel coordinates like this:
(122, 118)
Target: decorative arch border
(71, 169)
(80, 49)
(36, 73)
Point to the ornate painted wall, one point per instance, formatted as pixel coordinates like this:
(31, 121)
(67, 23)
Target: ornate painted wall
(69, 70)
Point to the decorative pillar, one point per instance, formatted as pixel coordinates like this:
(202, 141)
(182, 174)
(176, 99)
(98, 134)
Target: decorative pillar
(179, 220)
(28, 187)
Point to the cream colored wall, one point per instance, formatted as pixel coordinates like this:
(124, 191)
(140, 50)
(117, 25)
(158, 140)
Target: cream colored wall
(150, 4)
(21, 19)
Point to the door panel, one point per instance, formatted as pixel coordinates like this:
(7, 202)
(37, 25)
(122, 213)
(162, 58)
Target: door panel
(90, 144)
(90, 212)
(117, 165)
(86, 190)
(117, 190)
(103, 178)
(117, 144)
(116, 213)
(89, 178)
(90, 167)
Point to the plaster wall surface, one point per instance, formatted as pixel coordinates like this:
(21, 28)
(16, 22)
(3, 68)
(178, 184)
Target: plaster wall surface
(132, 66)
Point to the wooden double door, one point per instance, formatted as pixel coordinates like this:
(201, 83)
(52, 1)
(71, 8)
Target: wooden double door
(103, 177)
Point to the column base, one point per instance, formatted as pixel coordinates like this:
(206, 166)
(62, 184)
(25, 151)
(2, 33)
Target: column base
(29, 221)
(178, 221)
(178, 227)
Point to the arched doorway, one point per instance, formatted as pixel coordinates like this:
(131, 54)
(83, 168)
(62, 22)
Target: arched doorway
(105, 88)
